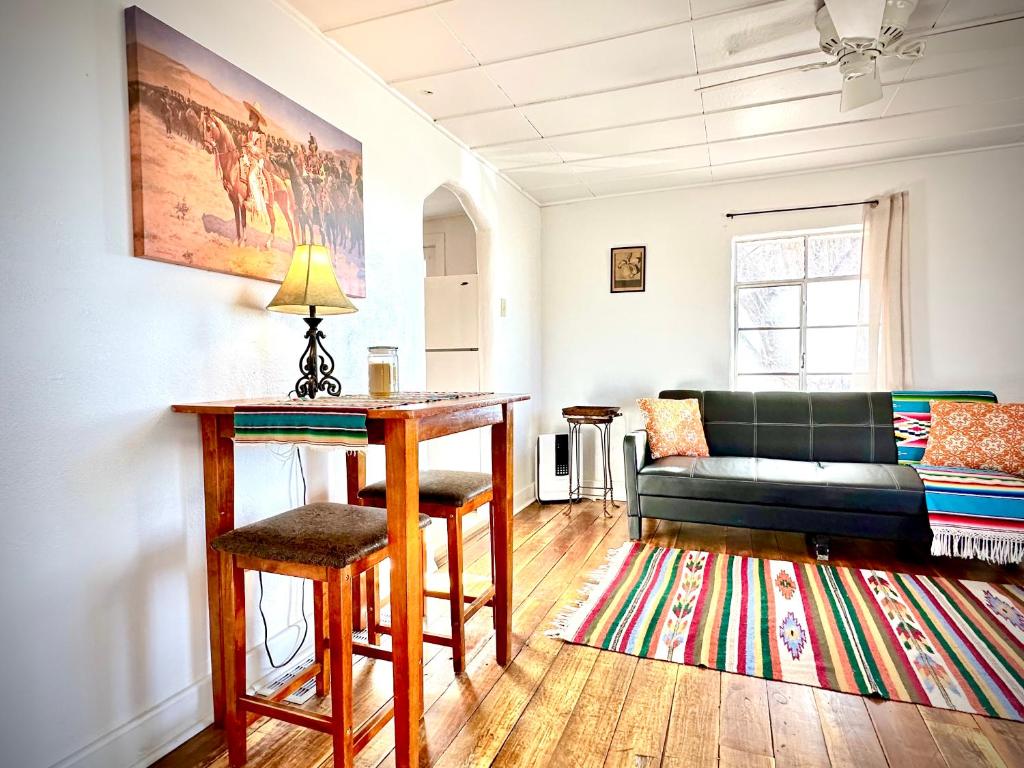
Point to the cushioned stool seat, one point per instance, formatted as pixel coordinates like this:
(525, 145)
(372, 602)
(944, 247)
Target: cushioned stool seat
(447, 495)
(331, 544)
(323, 533)
(438, 486)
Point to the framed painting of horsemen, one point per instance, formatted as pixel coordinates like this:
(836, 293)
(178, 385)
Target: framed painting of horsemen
(228, 174)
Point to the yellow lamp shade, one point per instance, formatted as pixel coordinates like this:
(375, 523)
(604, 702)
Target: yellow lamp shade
(311, 285)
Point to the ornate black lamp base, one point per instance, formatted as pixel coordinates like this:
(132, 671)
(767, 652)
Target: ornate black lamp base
(316, 363)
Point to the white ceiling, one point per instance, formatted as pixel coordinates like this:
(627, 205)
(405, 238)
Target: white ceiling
(581, 98)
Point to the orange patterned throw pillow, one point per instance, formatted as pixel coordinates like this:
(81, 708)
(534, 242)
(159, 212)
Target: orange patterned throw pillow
(977, 436)
(674, 427)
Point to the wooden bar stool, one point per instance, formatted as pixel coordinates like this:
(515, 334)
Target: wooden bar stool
(330, 544)
(448, 496)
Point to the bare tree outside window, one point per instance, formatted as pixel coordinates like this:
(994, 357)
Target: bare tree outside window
(799, 311)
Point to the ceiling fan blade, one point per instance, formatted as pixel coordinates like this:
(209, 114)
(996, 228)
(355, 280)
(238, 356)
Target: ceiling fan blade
(860, 88)
(856, 18)
(764, 75)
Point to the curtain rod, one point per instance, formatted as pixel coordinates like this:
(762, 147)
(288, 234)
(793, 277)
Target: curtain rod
(872, 203)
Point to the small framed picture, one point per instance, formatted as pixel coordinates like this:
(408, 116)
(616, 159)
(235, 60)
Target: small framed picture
(629, 269)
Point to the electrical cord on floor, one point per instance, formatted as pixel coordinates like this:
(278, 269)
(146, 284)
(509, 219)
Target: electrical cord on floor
(302, 601)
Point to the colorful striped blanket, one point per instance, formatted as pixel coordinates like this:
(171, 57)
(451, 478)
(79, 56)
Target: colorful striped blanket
(972, 513)
(975, 513)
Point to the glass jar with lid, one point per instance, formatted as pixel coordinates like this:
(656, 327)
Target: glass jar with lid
(383, 369)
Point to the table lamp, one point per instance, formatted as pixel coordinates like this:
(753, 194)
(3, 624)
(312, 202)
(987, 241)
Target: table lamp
(312, 287)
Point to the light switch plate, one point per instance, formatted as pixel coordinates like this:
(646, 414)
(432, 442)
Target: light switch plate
(504, 308)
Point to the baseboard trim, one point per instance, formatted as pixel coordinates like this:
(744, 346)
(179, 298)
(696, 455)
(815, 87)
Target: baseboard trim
(523, 498)
(142, 740)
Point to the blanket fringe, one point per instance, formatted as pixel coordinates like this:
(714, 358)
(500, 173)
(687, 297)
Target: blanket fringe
(592, 586)
(998, 547)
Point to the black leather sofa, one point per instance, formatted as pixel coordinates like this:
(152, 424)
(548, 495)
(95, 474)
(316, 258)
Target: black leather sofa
(820, 463)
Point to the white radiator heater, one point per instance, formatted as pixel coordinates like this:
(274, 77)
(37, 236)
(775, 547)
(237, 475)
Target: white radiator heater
(553, 467)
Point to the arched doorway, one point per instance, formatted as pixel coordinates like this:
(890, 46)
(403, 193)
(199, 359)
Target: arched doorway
(456, 334)
(453, 306)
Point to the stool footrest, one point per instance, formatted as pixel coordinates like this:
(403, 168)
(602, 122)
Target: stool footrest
(373, 725)
(428, 637)
(297, 682)
(371, 651)
(440, 594)
(487, 598)
(287, 712)
(296, 716)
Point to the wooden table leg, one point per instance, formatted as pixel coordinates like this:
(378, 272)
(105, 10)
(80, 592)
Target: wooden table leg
(219, 485)
(401, 444)
(355, 481)
(501, 470)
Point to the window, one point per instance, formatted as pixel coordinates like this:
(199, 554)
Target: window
(799, 311)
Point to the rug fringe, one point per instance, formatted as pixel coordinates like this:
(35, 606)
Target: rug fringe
(592, 588)
(1000, 548)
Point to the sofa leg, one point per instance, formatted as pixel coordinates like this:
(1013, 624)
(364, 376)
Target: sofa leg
(819, 545)
(913, 549)
(634, 527)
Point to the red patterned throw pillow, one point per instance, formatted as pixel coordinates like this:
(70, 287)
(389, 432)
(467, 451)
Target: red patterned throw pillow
(977, 436)
(674, 427)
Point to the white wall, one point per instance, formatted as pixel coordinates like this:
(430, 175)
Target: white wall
(966, 272)
(104, 649)
(459, 242)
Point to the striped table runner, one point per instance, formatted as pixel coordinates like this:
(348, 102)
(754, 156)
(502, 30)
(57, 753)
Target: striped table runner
(339, 421)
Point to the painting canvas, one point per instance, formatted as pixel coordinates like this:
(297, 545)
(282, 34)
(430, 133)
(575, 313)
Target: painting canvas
(227, 173)
(629, 269)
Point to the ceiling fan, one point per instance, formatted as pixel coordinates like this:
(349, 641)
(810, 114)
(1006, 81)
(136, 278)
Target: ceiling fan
(856, 33)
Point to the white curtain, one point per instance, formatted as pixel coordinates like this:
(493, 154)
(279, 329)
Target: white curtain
(884, 272)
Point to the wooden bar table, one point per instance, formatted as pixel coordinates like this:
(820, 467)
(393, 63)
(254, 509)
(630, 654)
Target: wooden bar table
(399, 427)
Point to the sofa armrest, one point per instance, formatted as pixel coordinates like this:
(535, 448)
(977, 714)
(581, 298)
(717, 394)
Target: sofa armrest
(635, 453)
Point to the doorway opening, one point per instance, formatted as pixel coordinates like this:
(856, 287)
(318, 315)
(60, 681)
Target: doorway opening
(452, 318)
(453, 297)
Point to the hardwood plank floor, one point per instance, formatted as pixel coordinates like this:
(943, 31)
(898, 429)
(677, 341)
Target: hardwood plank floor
(561, 705)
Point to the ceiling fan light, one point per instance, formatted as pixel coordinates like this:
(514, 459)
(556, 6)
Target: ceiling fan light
(861, 84)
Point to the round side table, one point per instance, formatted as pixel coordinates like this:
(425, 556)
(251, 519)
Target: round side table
(600, 416)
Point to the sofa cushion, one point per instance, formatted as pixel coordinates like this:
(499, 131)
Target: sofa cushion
(977, 436)
(673, 427)
(881, 488)
(802, 426)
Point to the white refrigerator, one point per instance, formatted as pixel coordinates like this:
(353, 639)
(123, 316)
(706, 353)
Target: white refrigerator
(452, 306)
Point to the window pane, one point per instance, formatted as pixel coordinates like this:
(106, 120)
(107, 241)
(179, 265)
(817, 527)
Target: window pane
(778, 305)
(768, 351)
(769, 383)
(833, 255)
(761, 260)
(829, 383)
(836, 350)
(835, 302)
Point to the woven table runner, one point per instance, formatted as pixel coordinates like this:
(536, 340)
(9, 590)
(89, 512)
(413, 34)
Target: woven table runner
(339, 421)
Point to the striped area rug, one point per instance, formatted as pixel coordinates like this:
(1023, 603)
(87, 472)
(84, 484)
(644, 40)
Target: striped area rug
(946, 643)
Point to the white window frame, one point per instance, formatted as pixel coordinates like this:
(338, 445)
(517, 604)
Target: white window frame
(802, 283)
